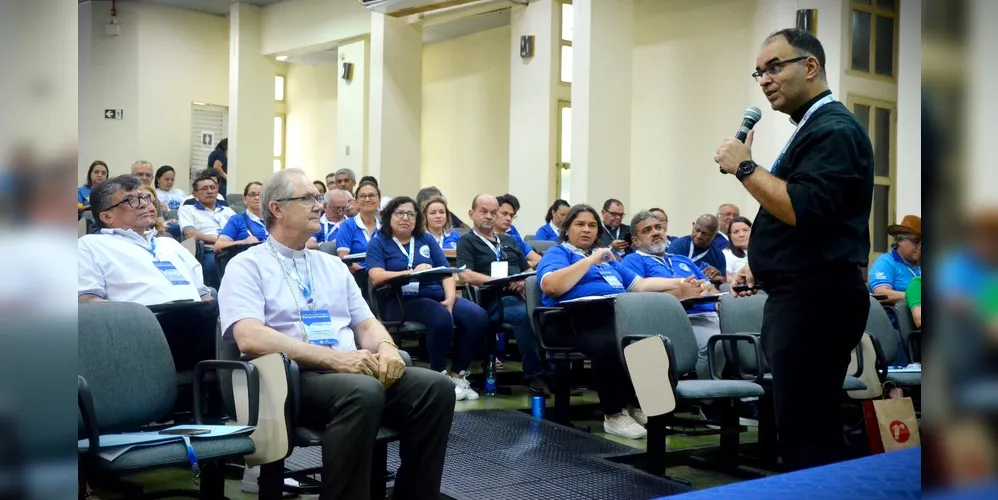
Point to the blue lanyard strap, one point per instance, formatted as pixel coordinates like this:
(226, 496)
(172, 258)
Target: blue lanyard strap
(292, 274)
(152, 249)
(814, 107)
(192, 459)
(497, 248)
(410, 254)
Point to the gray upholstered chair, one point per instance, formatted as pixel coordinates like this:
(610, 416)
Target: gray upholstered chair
(328, 247)
(911, 336)
(126, 382)
(541, 246)
(879, 324)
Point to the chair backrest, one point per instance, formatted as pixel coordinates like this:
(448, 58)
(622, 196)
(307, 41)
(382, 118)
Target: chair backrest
(81, 227)
(528, 238)
(462, 230)
(235, 199)
(742, 315)
(223, 258)
(126, 361)
(879, 325)
(238, 208)
(906, 323)
(541, 246)
(190, 330)
(647, 314)
(88, 216)
(328, 247)
(532, 297)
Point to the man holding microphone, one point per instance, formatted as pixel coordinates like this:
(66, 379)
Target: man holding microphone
(809, 240)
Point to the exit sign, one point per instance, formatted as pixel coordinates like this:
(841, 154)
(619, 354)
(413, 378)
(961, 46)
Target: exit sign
(113, 114)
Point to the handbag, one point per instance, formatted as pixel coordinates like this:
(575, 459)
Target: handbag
(891, 423)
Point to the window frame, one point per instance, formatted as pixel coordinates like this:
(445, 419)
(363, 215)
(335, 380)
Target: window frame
(559, 165)
(284, 140)
(891, 180)
(562, 42)
(874, 12)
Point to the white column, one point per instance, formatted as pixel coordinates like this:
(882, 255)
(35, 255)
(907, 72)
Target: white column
(602, 43)
(533, 111)
(395, 104)
(981, 107)
(909, 120)
(251, 100)
(352, 108)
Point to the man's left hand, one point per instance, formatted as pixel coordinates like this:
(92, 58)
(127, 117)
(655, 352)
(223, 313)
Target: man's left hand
(207, 298)
(733, 152)
(390, 365)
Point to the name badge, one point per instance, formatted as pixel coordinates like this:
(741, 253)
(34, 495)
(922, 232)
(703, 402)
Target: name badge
(411, 289)
(611, 279)
(171, 273)
(499, 269)
(319, 328)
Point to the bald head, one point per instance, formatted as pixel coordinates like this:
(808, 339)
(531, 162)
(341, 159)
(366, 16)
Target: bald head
(484, 209)
(704, 230)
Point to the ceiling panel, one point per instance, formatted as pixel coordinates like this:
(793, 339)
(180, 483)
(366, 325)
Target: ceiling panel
(217, 7)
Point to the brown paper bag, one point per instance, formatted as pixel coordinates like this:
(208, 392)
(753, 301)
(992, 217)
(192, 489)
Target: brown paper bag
(897, 423)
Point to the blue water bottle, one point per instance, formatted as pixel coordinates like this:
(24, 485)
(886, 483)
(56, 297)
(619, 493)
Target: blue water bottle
(490, 376)
(501, 342)
(537, 403)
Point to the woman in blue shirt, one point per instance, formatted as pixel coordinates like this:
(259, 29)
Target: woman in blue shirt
(555, 216)
(438, 225)
(355, 233)
(579, 268)
(248, 227)
(402, 247)
(96, 174)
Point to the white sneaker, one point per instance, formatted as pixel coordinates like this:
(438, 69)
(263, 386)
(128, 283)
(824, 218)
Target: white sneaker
(459, 393)
(638, 416)
(251, 482)
(623, 425)
(462, 381)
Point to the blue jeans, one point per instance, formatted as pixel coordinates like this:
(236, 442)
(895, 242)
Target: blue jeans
(208, 269)
(514, 312)
(465, 329)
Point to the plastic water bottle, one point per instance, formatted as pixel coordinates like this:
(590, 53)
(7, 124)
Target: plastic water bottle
(490, 376)
(537, 406)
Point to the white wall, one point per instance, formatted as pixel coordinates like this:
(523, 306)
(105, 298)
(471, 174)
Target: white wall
(298, 25)
(251, 106)
(352, 107)
(310, 129)
(909, 124)
(465, 118)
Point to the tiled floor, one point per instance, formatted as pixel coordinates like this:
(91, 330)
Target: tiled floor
(520, 399)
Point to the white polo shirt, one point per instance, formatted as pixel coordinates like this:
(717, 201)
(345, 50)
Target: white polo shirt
(255, 287)
(118, 265)
(202, 220)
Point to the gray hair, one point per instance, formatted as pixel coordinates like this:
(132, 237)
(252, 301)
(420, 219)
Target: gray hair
(100, 197)
(641, 217)
(139, 163)
(279, 186)
(342, 194)
(347, 172)
(426, 193)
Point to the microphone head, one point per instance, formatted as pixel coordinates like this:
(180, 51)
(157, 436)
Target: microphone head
(753, 114)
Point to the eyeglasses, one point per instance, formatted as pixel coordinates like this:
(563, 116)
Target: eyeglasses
(370, 196)
(253, 195)
(337, 209)
(404, 214)
(775, 68)
(132, 201)
(309, 200)
(207, 189)
(618, 215)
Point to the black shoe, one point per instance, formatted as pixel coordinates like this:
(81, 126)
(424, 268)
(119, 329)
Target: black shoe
(578, 390)
(539, 387)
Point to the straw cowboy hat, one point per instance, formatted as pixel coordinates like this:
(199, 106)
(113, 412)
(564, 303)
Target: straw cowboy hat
(910, 224)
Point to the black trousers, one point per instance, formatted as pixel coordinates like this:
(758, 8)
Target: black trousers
(597, 339)
(810, 324)
(420, 406)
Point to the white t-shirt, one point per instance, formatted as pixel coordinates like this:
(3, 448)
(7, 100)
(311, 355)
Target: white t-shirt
(172, 198)
(119, 265)
(203, 220)
(255, 287)
(734, 263)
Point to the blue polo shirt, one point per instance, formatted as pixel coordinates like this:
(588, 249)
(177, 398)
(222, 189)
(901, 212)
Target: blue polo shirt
(720, 242)
(353, 237)
(712, 256)
(449, 241)
(236, 229)
(83, 195)
(547, 232)
(327, 230)
(385, 253)
(592, 284)
(963, 275)
(892, 270)
(669, 266)
(524, 247)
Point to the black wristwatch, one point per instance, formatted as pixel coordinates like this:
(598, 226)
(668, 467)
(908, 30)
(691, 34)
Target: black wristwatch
(745, 169)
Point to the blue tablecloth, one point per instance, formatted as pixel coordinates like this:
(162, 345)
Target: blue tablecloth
(981, 492)
(885, 476)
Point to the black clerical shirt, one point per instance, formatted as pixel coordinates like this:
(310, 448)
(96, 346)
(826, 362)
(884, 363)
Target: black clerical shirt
(829, 172)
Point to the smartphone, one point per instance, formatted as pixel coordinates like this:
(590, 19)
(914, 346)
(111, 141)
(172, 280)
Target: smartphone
(626, 237)
(880, 297)
(185, 432)
(742, 288)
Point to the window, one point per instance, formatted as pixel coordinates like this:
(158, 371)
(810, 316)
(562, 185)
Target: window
(278, 142)
(873, 39)
(879, 118)
(278, 88)
(567, 27)
(564, 174)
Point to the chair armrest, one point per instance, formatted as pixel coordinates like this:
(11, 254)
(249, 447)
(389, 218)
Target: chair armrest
(673, 376)
(751, 339)
(85, 400)
(396, 291)
(915, 346)
(540, 315)
(252, 385)
(859, 359)
(405, 358)
(881, 362)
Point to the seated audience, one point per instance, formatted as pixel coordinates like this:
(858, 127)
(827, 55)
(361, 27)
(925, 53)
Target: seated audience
(438, 223)
(698, 248)
(355, 233)
(344, 179)
(488, 255)
(892, 271)
(384, 199)
(247, 227)
(169, 195)
(736, 253)
(96, 174)
(725, 214)
(281, 297)
(651, 260)
(555, 216)
(662, 216)
(335, 212)
(615, 234)
(320, 186)
(426, 193)
(402, 247)
(203, 220)
(578, 268)
(508, 207)
(913, 296)
(159, 224)
(126, 261)
(143, 170)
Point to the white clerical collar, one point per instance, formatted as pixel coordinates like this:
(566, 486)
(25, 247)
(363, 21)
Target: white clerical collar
(128, 233)
(284, 250)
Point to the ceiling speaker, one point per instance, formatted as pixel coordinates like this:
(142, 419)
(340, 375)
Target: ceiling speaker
(807, 20)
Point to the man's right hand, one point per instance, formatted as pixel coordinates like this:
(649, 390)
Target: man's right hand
(422, 267)
(600, 255)
(251, 239)
(691, 287)
(744, 277)
(620, 245)
(360, 361)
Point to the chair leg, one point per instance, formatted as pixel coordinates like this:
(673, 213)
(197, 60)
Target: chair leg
(562, 392)
(212, 481)
(656, 445)
(379, 472)
(271, 481)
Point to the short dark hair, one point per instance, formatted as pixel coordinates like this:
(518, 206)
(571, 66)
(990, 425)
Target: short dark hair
(160, 172)
(738, 252)
(573, 213)
(201, 178)
(508, 199)
(609, 203)
(90, 172)
(656, 209)
(391, 207)
(223, 144)
(426, 193)
(251, 184)
(100, 197)
(369, 178)
(554, 208)
(366, 183)
(803, 43)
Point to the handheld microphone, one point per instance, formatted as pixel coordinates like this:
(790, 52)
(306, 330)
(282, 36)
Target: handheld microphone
(752, 116)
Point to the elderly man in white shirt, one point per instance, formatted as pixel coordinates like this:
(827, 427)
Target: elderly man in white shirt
(203, 220)
(125, 261)
(281, 297)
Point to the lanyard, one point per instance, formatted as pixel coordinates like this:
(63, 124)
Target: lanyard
(616, 235)
(666, 261)
(578, 251)
(292, 274)
(152, 249)
(330, 227)
(814, 107)
(699, 256)
(911, 270)
(192, 459)
(497, 248)
(410, 254)
(440, 240)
